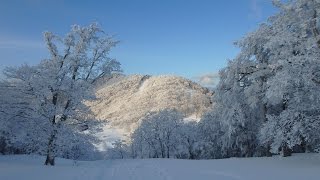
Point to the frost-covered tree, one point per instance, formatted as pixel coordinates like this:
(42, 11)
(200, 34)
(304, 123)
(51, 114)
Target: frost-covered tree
(16, 118)
(188, 144)
(274, 83)
(211, 131)
(120, 150)
(239, 120)
(59, 86)
(157, 135)
(25, 131)
(294, 87)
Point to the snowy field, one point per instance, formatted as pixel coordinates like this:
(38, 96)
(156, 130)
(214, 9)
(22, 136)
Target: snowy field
(298, 167)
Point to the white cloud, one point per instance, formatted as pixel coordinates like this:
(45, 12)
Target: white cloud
(255, 9)
(208, 80)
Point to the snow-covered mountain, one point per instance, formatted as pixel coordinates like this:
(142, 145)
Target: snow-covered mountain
(124, 100)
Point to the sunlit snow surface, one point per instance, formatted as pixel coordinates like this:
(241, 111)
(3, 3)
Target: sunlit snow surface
(109, 135)
(298, 167)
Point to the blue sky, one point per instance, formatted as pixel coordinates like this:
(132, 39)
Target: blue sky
(190, 38)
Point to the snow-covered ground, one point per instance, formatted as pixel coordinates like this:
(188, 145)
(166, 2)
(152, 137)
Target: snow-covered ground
(298, 167)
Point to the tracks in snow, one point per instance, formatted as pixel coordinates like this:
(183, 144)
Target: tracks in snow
(131, 170)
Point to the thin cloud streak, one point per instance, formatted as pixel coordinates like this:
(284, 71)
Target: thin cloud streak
(255, 9)
(12, 43)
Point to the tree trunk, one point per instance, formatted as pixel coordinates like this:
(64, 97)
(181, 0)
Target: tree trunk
(191, 155)
(162, 152)
(50, 151)
(315, 30)
(51, 143)
(268, 153)
(285, 151)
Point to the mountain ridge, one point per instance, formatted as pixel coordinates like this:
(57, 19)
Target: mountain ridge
(124, 100)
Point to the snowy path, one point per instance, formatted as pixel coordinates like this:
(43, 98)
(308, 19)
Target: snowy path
(302, 166)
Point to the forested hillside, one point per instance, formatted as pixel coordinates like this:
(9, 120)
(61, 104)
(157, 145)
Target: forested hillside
(130, 98)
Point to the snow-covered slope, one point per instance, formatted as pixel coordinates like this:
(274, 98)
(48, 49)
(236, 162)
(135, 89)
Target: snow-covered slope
(128, 99)
(298, 167)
